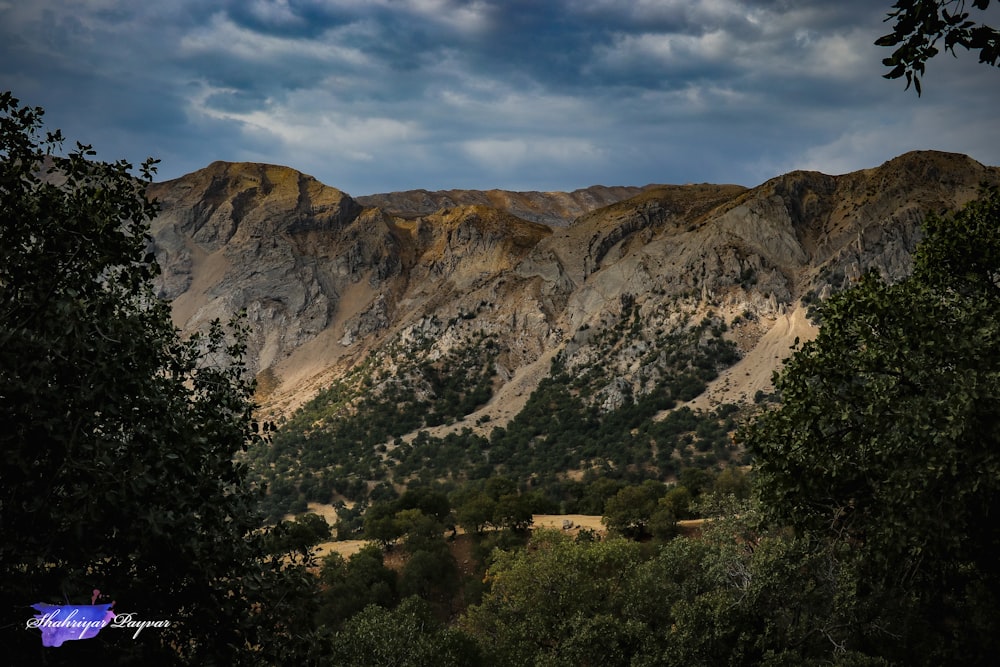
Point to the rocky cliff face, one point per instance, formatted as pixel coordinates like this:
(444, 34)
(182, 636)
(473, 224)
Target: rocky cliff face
(328, 281)
(271, 241)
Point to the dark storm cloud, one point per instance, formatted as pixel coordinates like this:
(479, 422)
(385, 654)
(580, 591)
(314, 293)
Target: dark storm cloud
(378, 95)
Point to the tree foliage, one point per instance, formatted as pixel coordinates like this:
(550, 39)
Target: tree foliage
(118, 437)
(407, 636)
(888, 439)
(348, 586)
(628, 512)
(739, 595)
(548, 601)
(298, 536)
(920, 25)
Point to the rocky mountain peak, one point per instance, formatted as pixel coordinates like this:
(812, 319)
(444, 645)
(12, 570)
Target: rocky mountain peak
(238, 201)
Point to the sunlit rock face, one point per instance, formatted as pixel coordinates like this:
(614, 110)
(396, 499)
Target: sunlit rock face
(326, 280)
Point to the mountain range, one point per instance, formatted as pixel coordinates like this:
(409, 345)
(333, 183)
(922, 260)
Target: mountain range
(327, 280)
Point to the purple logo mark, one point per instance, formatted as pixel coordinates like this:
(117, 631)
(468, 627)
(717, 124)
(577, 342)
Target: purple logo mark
(68, 622)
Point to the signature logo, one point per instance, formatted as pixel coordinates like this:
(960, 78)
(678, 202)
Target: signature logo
(68, 622)
(60, 623)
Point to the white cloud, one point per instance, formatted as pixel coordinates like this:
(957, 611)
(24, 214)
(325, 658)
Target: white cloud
(645, 11)
(510, 154)
(495, 105)
(275, 12)
(309, 123)
(224, 36)
(466, 17)
(762, 44)
(470, 18)
(667, 49)
(421, 92)
(871, 140)
(843, 56)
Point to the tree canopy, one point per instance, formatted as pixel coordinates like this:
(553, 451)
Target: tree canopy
(118, 437)
(888, 439)
(919, 26)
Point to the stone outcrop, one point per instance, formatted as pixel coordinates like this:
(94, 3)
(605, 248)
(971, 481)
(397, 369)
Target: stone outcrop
(269, 241)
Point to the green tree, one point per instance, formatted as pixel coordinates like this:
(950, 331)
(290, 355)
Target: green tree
(118, 437)
(300, 535)
(888, 438)
(407, 636)
(381, 525)
(513, 512)
(431, 574)
(678, 501)
(546, 603)
(742, 594)
(673, 506)
(597, 494)
(696, 481)
(500, 486)
(420, 531)
(475, 511)
(746, 595)
(348, 586)
(919, 25)
(628, 512)
(732, 482)
(427, 500)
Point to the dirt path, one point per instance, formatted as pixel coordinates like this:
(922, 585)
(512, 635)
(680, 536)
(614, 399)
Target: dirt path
(578, 521)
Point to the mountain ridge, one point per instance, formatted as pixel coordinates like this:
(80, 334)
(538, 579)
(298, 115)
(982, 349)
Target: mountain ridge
(328, 280)
(556, 209)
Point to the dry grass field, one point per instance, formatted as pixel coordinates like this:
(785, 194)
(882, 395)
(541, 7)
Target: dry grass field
(347, 548)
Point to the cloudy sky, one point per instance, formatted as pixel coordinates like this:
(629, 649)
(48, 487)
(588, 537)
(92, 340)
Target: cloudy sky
(384, 95)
